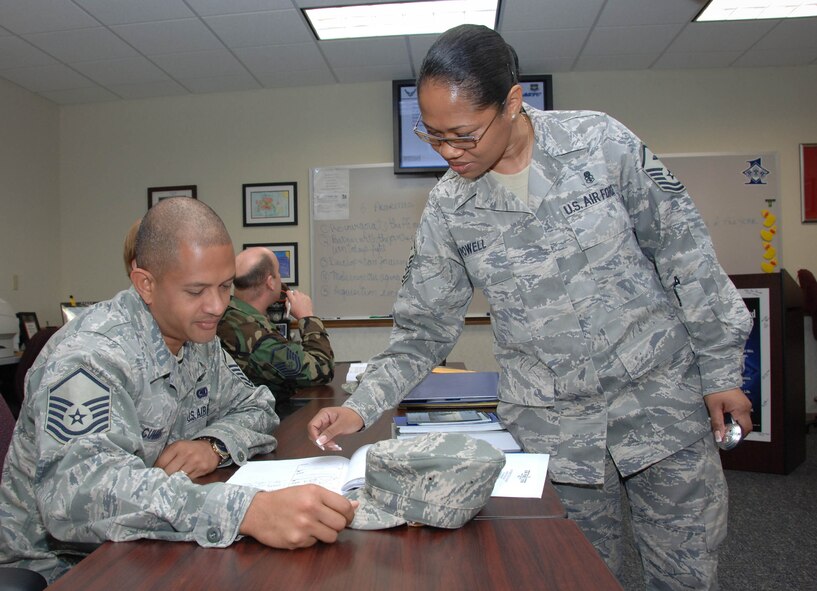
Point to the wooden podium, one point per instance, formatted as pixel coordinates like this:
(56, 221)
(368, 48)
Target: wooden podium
(785, 449)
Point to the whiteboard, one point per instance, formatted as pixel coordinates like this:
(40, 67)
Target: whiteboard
(363, 219)
(739, 200)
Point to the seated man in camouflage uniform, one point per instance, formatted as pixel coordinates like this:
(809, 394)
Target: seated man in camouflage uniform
(261, 351)
(132, 400)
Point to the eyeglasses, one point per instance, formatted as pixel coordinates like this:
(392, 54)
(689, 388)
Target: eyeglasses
(460, 142)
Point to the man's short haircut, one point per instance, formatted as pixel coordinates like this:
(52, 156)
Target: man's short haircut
(258, 273)
(172, 222)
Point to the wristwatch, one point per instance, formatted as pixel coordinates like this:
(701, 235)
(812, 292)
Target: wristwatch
(218, 448)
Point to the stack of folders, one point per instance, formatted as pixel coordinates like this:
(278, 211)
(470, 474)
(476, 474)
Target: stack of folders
(478, 424)
(474, 389)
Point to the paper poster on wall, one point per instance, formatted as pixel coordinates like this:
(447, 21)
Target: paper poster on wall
(738, 197)
(330, 194)
(757, 380)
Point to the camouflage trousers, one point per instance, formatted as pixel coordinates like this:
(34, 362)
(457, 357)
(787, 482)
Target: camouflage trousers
(678, 508)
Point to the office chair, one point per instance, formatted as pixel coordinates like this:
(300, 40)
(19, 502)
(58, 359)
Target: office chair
(7, 422)
(12, 578)
(33, 348)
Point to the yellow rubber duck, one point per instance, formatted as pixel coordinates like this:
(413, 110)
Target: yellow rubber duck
(768, 235)
(770, 253)
(769, 267)
(768, 218)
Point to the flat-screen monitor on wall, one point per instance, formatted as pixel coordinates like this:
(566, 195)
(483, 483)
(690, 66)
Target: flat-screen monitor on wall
(414, 156)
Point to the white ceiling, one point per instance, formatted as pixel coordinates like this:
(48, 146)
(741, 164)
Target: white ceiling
(81, 51)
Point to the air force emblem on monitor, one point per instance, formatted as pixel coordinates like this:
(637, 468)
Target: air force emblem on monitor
(659, 173)
(78, 405)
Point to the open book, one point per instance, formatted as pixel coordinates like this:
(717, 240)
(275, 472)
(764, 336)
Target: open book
(523, 474)
(336, 473)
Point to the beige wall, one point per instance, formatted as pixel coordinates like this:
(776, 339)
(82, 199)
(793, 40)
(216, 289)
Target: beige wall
(110, 153)
(29, 202)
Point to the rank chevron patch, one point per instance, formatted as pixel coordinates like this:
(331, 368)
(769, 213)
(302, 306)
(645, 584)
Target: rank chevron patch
(659, 173)
(78, 405)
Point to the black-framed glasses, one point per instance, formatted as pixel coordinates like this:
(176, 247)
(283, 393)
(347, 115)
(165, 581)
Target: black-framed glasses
(460, 142)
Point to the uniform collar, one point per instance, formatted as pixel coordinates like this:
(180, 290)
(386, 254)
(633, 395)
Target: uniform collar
(245, 308)
(556, 144)
(161, 361)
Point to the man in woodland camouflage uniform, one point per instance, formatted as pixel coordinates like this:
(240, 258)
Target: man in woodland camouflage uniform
(261, 351)
(132, 400)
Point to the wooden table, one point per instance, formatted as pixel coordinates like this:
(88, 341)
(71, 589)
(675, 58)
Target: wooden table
(499, 554)
(511, 544)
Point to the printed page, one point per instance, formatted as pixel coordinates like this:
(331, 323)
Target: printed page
(523, 476)
(356, 470)
(355, 369)
(327, 471)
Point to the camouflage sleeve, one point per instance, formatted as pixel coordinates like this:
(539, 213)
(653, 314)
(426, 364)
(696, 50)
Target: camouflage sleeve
(241, 414)
(93, 484)
(284, 365)
(428, 319)
(672, 234)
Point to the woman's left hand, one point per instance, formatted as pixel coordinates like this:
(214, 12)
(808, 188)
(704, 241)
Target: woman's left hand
(733, 402)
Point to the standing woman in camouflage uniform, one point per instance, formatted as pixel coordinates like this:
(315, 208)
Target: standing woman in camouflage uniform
(618, 335)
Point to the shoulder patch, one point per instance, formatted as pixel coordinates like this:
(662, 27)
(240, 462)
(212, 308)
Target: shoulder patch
(78, 405)
(660, 174)
(408, 263)
(290, 367)
(233, 367)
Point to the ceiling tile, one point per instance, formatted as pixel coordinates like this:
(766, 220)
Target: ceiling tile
(624, 13)
(263, 28)
(120, 12)
(763, 58)
(200, 64)
(545, 65)
(82, 45)
(280, 59)
(39, 16)
(149, 89)
(315, 77)
(353, 53)
(175, 36)
(703, 59)
(18, 53)
(214, 7)
(130, 70)
(791, 34)
(53, 77)
(633, 61)
(77, 96)
(721, 36)
(549, 14)
(630, 40)
(550, 44)
(221, 84)
(372, 73)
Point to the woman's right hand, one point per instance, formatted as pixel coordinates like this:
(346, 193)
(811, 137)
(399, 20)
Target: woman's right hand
(330, 422)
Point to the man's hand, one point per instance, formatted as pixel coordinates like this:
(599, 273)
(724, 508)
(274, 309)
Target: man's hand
(300, 304)
(194, 458)
(297, 517)
(735, 403)
(330, 422)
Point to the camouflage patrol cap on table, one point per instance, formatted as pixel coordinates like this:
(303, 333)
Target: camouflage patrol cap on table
(439, 479)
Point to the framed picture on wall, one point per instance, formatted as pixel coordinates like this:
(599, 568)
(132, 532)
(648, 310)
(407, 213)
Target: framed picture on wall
(270, 204)
(156, 194)
(287, 255)
(29, 325)
(808, 182)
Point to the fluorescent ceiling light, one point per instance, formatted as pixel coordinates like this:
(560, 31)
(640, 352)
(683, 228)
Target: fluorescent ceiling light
(741, 10)
(399, 18)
